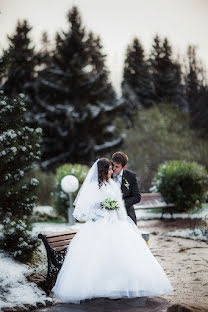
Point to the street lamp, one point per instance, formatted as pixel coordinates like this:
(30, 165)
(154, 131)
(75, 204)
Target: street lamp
(69, 185)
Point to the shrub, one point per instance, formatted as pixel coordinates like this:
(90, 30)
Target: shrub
(60, 198)
(181, 183)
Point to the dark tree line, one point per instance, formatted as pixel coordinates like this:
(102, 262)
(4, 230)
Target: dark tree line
(197, 92)
(148, 80)
(69, 95)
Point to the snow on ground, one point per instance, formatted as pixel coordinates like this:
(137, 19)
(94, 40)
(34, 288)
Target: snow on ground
(147, 214)
(50, 227)
(196, 234)
(141, 214)
(15, 290)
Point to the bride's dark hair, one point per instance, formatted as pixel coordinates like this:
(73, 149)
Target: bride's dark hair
(103, 167)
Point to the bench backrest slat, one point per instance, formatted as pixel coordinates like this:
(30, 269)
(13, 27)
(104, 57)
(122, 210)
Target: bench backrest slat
(58, 241)
(61, 243)
(151, 196)
(50, 235)
(60, 238)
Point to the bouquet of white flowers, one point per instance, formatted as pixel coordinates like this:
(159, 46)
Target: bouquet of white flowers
(110, 204)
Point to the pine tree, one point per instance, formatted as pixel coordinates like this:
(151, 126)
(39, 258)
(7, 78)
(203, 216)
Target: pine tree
(4, 64)
(137, 86)
(22, 60)
(199, 116)
(166, 74)
(196, 89)
(19, 149)
(43, 56)
(74, 102)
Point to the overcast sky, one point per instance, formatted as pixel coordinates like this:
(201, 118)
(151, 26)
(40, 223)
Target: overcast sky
(117, 22)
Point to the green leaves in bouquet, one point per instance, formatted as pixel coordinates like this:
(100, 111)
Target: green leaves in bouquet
(110, 204)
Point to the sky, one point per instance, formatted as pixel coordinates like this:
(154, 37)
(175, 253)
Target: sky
(117, 22)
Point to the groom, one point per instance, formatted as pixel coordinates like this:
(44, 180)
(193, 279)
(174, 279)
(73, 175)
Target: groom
(128, 182)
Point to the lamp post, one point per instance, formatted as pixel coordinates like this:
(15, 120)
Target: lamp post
(69, 185)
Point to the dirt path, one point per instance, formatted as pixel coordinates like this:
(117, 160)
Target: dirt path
(185, 262)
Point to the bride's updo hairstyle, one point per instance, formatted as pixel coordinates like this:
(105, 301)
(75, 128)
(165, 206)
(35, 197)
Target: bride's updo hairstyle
(103, 167)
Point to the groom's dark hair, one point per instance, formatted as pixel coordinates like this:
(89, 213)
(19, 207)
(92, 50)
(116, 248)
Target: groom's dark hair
(120, 158)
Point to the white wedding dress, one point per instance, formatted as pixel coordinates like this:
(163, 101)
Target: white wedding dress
(108, 257)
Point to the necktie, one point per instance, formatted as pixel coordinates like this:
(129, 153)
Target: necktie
(116, 178)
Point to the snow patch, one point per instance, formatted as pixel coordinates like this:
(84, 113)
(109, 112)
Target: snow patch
(48, 227)
(144, 214)
(196, 234)
(15, 290)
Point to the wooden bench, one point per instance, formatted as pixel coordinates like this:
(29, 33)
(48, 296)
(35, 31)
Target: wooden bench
(154, 200)
(56, 245)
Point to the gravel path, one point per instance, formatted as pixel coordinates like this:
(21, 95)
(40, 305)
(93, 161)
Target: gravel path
(185, 262)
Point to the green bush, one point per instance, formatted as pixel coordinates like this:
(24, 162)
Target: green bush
(181, 183)
(60, 198)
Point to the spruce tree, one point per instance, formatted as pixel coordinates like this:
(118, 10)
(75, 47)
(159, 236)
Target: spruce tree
(43, 56)
(22, 60)
(196, 89)
(74, 103)
(4, 64)
(19, 149)
(199, 115)
(137, 85)
(166, 74)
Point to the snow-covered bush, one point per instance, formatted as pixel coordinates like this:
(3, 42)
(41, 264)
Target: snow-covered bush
(60, 198)
(19, 149)
(181, 183)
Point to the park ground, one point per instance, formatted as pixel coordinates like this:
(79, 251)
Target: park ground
(184, 260)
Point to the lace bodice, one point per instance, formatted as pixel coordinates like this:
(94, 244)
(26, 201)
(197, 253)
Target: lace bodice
(93, 211)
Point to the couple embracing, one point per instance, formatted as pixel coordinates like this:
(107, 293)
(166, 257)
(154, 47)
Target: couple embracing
(108, 256)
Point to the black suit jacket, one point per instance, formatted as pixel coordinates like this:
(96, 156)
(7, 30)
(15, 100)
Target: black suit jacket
(131, 194)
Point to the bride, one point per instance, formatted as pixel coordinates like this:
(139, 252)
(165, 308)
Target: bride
(108, 256)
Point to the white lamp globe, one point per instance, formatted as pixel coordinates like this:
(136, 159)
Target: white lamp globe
(69, 184)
